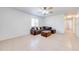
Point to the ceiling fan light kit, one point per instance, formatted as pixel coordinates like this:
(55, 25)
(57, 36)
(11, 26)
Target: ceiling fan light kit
(46, 10)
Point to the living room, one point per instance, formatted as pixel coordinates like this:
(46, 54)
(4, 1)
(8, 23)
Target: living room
(36, 29)
(39, 29)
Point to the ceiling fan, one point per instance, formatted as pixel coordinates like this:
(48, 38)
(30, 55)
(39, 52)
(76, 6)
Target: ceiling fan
(46, 10)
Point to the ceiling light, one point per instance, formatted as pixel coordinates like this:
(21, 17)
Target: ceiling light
(77, 15)
(69, 16)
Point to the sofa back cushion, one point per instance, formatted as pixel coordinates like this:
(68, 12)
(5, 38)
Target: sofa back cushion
(47, 28)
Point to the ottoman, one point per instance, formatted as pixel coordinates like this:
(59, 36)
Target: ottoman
(46, 33)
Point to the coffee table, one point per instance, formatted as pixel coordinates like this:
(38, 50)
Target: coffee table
(46, 33)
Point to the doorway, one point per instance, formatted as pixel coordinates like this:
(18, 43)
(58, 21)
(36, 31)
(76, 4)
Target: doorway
(70, 23)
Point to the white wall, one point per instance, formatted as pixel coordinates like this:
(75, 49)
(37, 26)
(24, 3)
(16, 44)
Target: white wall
(77, 27)
(14, 23)
(56, 22)
(42, 22)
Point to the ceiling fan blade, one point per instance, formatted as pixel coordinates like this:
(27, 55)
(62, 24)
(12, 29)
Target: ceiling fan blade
(51, 12)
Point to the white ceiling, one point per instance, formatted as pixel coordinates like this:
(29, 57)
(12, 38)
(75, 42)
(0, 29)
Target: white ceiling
(56, 10)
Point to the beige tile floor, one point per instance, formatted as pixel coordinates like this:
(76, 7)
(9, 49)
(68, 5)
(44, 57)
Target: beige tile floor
(55, 42)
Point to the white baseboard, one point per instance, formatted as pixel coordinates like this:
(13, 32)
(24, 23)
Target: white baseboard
(11, 37)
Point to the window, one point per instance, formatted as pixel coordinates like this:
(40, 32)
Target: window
(34, 22)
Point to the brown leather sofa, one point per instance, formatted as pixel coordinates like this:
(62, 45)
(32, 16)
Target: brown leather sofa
(37, 30)
(53, 31)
